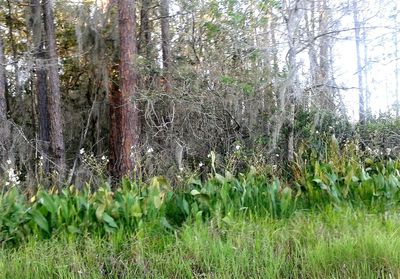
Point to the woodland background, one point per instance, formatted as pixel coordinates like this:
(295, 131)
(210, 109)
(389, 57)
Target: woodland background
(93, 89)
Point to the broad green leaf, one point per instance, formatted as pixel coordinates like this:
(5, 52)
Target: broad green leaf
(73, 229)
(185, 206)
(166, 224)
(100, 211)
(158, 200)
(48, 202)
(40, 220)
(194, 192)
(136, 210)
(109, 220)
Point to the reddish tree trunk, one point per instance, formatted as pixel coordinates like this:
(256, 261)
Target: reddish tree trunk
(124, 130)
(54, 98)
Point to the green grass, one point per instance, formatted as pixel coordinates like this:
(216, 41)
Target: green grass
(333, 243)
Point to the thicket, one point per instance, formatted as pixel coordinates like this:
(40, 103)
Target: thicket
(335, 174)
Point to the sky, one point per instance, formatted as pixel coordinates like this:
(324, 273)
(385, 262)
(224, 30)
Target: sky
(380, 62)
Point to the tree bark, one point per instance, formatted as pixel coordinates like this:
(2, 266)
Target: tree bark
(165, 44)
(145, 33)
(54, 98)
(3, 103)
(18, 89)
(145, 45)
(40, 85)
(4, 127)
(124, 130)
(292, 25)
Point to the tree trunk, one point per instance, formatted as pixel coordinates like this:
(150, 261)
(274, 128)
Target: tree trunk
(357, 26)
(40, 86)
(124, 133)
(18, 89)
(292, 25)
(4, 127)
(367, 100)
(396, 57)
(165, 45)
(3, 103)
(145, 33)
(145, 46)
(54, 98)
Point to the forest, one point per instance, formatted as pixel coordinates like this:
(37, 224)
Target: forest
(199, 139)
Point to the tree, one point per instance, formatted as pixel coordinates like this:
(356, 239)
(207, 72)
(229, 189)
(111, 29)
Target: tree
(145, 46)
(292, 25)
(4, 129)
(165, 43)
(357, 37)
(124, 112)
(40, 86)
(396, 57)
(54, 98)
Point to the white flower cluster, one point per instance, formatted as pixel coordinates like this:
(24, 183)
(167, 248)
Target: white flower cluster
(13, 178)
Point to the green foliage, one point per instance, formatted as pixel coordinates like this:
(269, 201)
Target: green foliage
(334, 177)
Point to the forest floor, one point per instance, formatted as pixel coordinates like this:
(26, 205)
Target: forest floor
(332, 243)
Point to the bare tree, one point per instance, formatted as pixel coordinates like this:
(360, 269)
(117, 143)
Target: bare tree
(292, 19)
(396, 57)
(357, 36)
(124, 133)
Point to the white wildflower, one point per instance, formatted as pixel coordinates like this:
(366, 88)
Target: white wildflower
(277, 155)
(317, 132)
(82, 151)
(150, 150)
(12, 177)
(388, 151)
(201, 164)
(237, 147)
(103, 158)
(8, 162)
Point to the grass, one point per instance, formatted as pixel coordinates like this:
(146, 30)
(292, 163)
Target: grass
(333, 243)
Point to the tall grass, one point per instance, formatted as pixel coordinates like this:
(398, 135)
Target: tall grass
(333, 243)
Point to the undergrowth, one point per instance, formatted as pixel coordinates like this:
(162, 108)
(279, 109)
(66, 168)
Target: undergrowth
(336, 177)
